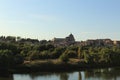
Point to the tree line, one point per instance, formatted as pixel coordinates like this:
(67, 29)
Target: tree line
(14, 53)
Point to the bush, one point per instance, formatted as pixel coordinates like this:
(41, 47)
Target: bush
(64, 58)
(34, 55)
(44, 55)
(19, 59)
(57, 52)
(6, 58)
(72, 54)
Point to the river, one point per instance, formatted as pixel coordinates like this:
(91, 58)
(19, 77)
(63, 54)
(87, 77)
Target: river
(91, 74)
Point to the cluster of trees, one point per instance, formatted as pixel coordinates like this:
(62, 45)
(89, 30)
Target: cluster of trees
(100, 54)
(9, 55)
(14, 53)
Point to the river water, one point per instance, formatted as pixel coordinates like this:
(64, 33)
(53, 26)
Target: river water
(93, 74)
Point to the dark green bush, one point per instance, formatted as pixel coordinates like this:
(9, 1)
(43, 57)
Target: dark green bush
(64, 58)
(71, 54)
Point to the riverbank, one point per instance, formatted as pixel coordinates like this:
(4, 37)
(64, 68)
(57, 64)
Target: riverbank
(54, 65)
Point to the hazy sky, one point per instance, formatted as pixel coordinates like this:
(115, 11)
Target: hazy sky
(45, 19)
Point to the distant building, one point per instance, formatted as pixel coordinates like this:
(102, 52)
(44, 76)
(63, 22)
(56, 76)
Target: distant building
(116, 43)
(99, 42)
(64, 41)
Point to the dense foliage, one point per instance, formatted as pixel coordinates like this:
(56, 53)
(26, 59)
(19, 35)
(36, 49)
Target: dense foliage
(14, 52)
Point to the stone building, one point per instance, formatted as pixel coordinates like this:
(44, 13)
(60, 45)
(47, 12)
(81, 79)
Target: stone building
(99, 42)
(116, 43)
(69, 40)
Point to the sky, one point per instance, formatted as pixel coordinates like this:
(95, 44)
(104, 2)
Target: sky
(46, 19)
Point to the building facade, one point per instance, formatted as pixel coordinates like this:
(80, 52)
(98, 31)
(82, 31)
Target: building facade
(69, 40)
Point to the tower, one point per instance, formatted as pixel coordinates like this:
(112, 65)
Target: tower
(70, 38)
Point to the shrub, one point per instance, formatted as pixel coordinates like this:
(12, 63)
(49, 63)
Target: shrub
(72, 54)
(44, 55)
(34, 55)
(64, 58)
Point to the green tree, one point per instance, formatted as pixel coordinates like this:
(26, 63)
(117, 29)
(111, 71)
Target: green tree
(57, 52)
(33, 55)
(71, 54)
(79, 53)
(6, 58)
(64, 57)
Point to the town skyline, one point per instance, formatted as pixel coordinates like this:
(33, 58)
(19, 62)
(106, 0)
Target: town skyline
(66, 41)
(45, 19)
(55, 37)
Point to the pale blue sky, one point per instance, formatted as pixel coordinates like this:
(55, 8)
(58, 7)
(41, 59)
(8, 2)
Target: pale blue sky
(45, 19)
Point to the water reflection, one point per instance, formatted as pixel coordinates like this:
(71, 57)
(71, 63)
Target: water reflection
(64, 76)
(50, 76)
(6, 76)
(103, 74)
(79, 76)
(96, 74)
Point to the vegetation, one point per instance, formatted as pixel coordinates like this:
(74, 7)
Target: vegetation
(64, 58)
(15, 51)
